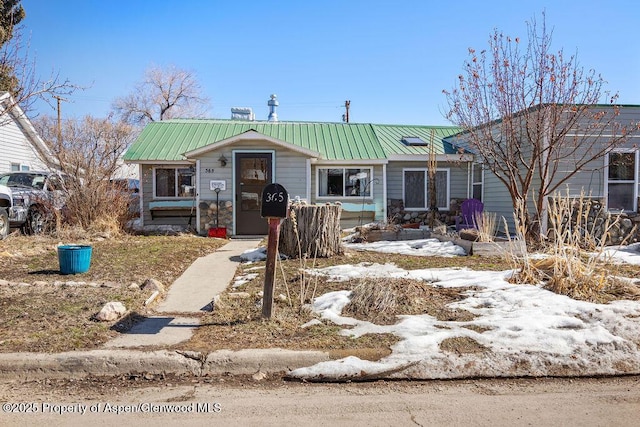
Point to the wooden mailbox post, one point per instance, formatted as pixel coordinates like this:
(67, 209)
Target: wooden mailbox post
(274, 207)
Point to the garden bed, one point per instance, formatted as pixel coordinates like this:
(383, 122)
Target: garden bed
(497, 248)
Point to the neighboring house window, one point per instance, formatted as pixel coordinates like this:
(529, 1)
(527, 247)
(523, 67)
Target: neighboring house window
(416, 189)
(17, 167)
(622, 181)
(476, 181)
(174, 182)
(344, 182)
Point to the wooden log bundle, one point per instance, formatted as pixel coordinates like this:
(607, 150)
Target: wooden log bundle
(311, 231)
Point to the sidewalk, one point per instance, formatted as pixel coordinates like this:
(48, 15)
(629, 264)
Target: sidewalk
(192, 293)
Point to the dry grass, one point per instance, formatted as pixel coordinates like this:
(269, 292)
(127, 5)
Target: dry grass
(574, 264)
(40, 315)
(382, 300)
(487, 226)
(49, 318)
(236, 322)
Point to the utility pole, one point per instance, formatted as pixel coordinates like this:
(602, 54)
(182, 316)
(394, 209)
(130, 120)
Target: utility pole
(59, 99)
(345, 118)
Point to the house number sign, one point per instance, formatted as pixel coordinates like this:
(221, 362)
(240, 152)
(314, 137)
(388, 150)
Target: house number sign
(217, 185)
(275, 201)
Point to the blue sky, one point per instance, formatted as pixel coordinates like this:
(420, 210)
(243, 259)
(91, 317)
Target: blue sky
(391, 59)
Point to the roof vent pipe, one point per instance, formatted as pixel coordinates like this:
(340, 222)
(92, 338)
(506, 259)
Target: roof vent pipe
(273, 103)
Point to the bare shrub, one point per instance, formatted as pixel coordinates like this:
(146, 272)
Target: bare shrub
(373, 299)
(87, 152)
(382, 300)
(573, 264)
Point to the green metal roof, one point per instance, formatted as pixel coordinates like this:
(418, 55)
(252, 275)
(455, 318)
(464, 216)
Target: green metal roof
(391, 136)
(169, 140)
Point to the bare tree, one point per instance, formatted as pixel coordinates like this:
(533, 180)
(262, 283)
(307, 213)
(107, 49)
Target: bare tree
(528, 112)
(163, 94)
(88, 152)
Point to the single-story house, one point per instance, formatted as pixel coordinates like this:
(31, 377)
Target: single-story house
(21, 147)
(203, 173)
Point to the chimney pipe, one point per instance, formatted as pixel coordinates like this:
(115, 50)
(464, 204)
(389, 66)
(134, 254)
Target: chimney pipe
(273, 104)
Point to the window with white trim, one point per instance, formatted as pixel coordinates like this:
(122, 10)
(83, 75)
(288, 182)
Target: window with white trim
(415, 184)
(174, 182)
(344, 182)
(18, 167)
(622, 180)
(476, 181)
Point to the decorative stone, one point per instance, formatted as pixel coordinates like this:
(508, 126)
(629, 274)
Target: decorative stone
(239, 295)
(259, 376)
(111, 311)
(152, 285)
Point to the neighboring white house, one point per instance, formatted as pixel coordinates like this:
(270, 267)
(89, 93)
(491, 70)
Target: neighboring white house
(21, 148)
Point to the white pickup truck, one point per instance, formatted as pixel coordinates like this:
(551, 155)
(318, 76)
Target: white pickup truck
(5, 205)
(34, 199)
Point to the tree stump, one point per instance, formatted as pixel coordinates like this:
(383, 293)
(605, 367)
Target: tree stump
(311, 231)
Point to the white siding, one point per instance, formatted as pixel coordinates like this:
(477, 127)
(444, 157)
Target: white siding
(15, 147)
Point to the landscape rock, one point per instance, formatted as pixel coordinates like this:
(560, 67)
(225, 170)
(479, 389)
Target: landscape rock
(152, 285)
(239, 295)
(259, 376)
(111, 311)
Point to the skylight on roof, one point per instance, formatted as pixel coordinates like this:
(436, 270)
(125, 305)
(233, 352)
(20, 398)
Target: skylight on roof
(413, 140)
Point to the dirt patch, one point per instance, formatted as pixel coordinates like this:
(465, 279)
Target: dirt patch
(462, 345)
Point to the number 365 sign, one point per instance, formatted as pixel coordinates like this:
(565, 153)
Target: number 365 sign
(275, 201)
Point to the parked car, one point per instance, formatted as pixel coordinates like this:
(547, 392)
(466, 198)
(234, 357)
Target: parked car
(130, 188)
(35, 198)
(5, 205)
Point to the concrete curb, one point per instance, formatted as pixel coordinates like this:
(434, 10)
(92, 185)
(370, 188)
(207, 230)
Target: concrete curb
(31, 366)
(264, 360)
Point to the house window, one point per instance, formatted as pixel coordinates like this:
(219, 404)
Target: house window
(174, 182)
(416, 189)
(344, 182)
(476, 181)
(622, 181)
(17, 167)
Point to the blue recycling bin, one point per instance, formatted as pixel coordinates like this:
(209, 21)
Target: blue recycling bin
(74, 259)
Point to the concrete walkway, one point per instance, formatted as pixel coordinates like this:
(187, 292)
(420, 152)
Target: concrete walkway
(192, 293)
